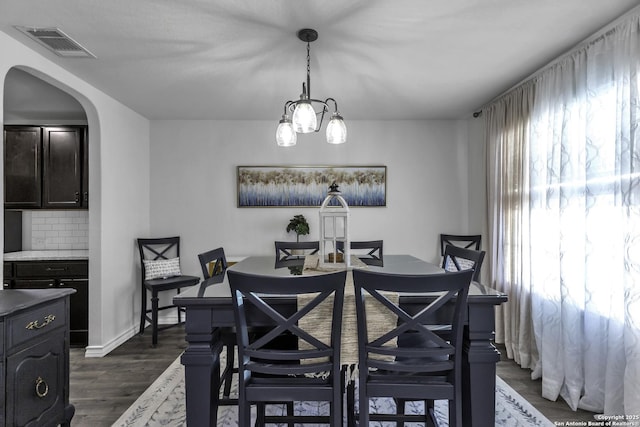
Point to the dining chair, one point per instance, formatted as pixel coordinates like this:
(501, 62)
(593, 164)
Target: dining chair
(160, 267)
(269, 373)
(214, 265)
(456, 259)
(408, 360)
(370, 251)
(293, 250)
(469, 241)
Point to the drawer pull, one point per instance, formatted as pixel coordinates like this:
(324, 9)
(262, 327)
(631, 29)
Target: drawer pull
(47, 319)
(42, 388)
(56, 268)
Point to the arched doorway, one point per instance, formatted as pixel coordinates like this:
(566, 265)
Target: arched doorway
(38, 114)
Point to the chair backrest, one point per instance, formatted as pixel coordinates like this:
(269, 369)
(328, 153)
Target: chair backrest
(158, 249)
(430, 353)
(263, 353)
(370, 251)
(213, 263)
(284, 250)
(469, 241)
(458, 259)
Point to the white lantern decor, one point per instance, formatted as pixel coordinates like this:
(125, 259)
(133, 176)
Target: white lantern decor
(334, 229)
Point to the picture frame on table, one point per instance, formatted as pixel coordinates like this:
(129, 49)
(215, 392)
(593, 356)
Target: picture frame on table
(307, 186)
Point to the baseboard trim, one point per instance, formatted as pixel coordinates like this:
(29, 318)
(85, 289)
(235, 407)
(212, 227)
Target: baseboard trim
(103, 350)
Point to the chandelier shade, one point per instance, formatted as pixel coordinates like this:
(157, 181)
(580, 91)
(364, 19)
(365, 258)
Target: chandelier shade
(304, 117)
(336, 130)
(285, 133)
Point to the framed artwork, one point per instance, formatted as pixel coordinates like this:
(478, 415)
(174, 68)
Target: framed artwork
(307, 186)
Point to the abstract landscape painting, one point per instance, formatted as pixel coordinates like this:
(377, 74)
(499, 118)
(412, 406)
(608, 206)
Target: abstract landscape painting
(307, 186)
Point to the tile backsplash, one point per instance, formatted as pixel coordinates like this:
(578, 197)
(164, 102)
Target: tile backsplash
(56, 229)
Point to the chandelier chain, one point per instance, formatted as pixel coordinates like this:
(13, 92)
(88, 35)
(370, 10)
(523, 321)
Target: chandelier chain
(308, 59)
(308, 69)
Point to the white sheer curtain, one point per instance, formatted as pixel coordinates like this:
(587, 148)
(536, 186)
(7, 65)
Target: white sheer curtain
(564, 168)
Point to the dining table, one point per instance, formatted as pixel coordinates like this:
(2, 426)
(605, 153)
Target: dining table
(209, 306)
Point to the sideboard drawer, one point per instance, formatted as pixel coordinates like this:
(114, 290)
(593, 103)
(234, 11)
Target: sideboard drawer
(36, 322)
(65, 269)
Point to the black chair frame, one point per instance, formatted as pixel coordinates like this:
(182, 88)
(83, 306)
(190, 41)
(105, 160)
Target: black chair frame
(284, 250)
(467, 241)
(420, 365)
(456, 254)
(214, 265)
(271, 374)
(373, 257)
(159, 249)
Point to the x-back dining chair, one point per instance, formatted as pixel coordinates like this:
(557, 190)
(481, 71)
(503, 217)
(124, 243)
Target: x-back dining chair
(214, 265)
(286, 251)
(369, 251)
(160, 267)
(408, 359)
(467, 241)
(270, 373)
(456, 259)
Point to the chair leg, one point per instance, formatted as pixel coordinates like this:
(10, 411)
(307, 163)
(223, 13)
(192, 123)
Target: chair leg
(290, 413)
(228, 377)
(143, 310)
(154, 319)
(430, 414)
(179, 311)
(260, 414)
(400, 407)
(351, 403)
(363, 414)
(244, 416)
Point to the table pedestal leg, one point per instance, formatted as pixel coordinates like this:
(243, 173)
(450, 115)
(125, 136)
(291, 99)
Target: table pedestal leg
(202, 369)
(479, 368)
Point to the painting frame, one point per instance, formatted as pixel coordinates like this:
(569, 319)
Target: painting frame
(307, 186)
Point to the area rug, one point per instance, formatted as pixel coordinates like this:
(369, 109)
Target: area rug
(163, 404)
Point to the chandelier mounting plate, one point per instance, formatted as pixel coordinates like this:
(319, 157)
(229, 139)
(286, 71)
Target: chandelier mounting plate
(308, 35)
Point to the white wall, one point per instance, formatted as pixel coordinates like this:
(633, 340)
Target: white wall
(118, 189)
(193, 190)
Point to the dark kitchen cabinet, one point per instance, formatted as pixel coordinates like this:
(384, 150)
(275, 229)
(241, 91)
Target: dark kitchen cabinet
(62, 168)
(46, 167)
(22, 167)
(34, 358)
(56, 274)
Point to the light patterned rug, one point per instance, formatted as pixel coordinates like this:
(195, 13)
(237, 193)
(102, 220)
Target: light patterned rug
(163, 404)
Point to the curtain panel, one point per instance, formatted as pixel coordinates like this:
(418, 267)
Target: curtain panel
(564, 177)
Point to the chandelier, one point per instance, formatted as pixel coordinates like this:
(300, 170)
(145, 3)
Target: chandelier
(301, 117)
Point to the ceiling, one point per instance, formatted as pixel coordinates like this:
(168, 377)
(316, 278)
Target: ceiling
(241, 59)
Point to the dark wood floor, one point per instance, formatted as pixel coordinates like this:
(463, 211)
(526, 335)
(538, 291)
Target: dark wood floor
(103, 388)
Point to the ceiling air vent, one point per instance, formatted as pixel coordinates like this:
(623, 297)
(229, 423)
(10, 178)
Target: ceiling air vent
(57, 42)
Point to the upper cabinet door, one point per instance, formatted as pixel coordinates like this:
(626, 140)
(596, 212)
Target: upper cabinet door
(22, 157)
(62, 167)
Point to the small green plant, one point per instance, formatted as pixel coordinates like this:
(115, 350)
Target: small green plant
(298, 224)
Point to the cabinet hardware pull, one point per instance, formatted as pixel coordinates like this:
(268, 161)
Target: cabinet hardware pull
(56, 268)
(42, 388)
(86, 196)
(35, 325)
(77, 194)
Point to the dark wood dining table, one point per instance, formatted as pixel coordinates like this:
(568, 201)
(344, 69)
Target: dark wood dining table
(209, 306)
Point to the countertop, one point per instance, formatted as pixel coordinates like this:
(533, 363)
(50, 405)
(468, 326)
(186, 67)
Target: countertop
(71, 254)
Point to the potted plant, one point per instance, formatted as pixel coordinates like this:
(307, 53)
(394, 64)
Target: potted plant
(298, 224)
